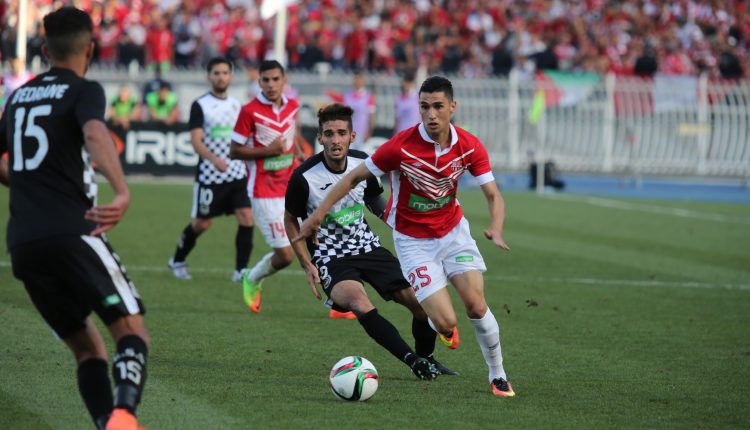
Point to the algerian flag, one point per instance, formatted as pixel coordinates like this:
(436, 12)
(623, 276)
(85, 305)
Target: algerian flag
(566, 88)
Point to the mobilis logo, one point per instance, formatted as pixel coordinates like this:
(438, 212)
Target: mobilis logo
(345, 216)
(425, 204)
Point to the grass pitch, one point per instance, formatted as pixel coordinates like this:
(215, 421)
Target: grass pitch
(613, 313)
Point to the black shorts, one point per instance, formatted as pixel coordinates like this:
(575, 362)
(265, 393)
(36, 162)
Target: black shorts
(69, 276)
(219, 199)
(379, 268)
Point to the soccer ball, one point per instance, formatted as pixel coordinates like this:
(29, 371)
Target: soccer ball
(353, 379)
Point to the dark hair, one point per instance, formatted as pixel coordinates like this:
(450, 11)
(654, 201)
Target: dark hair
(270, 65)
(335, 112)
(218, 60)
(68, 32)
(435, 84)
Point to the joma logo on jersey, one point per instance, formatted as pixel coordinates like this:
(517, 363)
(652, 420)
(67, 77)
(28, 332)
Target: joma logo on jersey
(278, 163)
(424, 204)
(345, 216)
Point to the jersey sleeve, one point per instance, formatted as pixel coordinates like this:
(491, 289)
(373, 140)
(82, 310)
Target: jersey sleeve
(196, 116)
(480, 166)
(244, 126)
(385, 159)
(91, 103)
(297, 193)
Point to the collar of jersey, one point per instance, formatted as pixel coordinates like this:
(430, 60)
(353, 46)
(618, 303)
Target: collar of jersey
(265, 101)
(426, 137)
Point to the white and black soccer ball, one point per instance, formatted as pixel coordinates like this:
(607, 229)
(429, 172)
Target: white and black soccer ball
(354, 379)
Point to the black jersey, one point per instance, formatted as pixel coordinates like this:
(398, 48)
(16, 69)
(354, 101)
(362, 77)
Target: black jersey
(344, 230)
(51, 181)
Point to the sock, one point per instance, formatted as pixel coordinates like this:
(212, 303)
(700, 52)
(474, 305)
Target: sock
(424, 337)
(185, 244)
(243, 243)
(488, 336)
(129, 371)
(96, 390)
(262, 269)
(386, 335)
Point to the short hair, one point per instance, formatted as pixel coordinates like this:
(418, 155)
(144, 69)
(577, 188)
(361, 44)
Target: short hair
(270, 65)
(218, 60)
(334, 112)
(68, 32)
(435, 84)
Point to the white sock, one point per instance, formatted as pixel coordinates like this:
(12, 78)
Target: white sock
(429, 321)
(488, 336)
(262, 269)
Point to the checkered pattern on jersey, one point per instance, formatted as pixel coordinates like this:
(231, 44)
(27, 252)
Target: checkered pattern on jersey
(336, 241)
(219, 116)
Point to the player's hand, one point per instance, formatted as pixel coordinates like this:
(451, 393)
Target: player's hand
(107, 216)
(221, 164)
(496, 237)
(308, 228)
(313, 278)
(277, 147)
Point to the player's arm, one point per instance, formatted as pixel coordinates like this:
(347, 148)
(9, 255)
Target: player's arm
(374, 200)
(338, 191)
(311, 272)
(195, 123)
(239, 151)
(496, 205)
(100, 146)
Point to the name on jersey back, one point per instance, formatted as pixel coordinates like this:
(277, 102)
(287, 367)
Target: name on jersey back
(35, 94)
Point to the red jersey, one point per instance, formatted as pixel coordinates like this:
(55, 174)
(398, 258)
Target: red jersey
(424, 179)
(260, 122)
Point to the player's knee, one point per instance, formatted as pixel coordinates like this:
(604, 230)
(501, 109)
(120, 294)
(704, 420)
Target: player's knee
(200, 225)
(283, 257)
(476, 310)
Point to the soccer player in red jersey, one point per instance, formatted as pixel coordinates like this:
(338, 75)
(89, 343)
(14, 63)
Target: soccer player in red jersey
(430, 233)
(264, 136)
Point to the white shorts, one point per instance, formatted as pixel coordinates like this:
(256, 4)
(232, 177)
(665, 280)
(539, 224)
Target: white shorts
(428, 263)
(269, 218)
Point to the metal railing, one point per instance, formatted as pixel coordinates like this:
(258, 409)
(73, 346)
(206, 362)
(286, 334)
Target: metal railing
(664, 126)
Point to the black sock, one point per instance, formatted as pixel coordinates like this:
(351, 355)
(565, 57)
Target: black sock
(424, 337)
(385, 334)
(129, 372)
(186, 243)
(96, 390)
(243, 242)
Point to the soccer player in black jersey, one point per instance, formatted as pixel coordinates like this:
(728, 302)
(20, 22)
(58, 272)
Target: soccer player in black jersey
(220, 183)
(55, 229)
(346, 253)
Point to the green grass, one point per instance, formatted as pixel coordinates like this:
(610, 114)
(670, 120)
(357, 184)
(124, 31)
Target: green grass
(634, 316)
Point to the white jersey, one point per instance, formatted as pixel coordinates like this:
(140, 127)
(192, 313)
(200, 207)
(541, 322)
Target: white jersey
(216, 117)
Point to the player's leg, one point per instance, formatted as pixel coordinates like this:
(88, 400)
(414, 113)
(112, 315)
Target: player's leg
(94, 384)
(269, 217)
(200, 222)
(243, 240)
(464, 265)
(382, 271)
(128, 366)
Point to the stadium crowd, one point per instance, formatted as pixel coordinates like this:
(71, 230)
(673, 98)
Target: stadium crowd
(473, 38)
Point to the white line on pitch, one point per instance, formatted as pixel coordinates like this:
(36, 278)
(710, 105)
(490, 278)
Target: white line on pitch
(496, 277)
(684, 213)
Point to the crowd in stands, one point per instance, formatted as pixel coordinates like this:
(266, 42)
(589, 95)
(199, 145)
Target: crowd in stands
(471, 38)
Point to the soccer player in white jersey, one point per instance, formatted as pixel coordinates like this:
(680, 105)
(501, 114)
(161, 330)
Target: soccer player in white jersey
(346, 253)
(219, 182)
(431, 235)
